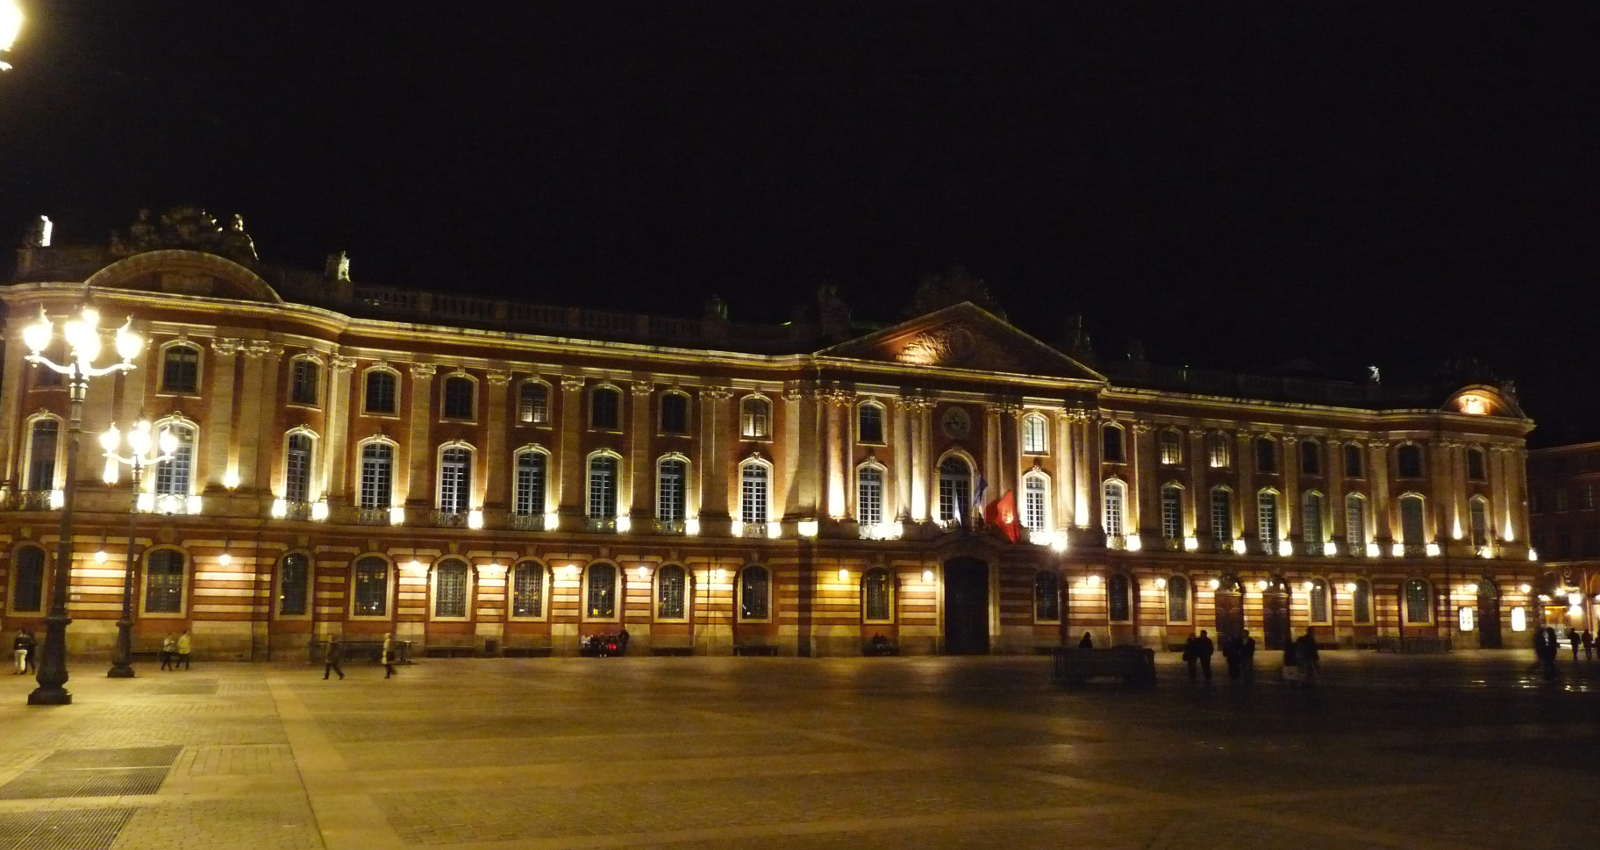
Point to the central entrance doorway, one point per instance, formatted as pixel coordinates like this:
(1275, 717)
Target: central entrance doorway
(1488, 614)
(1230, 608)
(1275, 613)
(966, 607)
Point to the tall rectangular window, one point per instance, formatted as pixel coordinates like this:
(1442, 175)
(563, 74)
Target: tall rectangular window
(753, 493)
(1217, 450)
(1355, 524)
(670, 487)
(180, 369)
(173, 476)
(527, 590)
(42, 454)
(1411, 520)
(877, 594)
(163, 589)
(1267, 518)
(674, 413)
(1171, 447)
(755, 417)
(450, 589)
(529, 499)
(1319, 602)
(869, 496)
(1311, 521)
(1034, 429)
(455, 480)
(1221, 515)
(303, 382)
(605, 410)
(1112, 508)
(533, 403)
(294, 578)
(297, 469)
(602, 487)
(1475, 465)
(371, 587)
(1266, 455)
(1480, 522)
(1111, 450)
(1310, 458)
(671, 585)
(602, 597)
(1361, 603)
(1353, 462)
(460, 397)
(377, 476)
(381, 392)
(869, 423)
(1034, 493)
(1171, 513)
(27, 593)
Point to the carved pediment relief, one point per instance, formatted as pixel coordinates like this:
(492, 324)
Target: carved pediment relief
(962, 337)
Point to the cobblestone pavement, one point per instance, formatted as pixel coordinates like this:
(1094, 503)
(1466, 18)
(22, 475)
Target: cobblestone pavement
(1462, 751)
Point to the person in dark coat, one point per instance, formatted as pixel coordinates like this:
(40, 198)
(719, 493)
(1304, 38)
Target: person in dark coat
(1546, 645)
(1203, 650)
(330, 660)
(1291, 661)
(1230, 654)
(1572, 635)
(1307, 657)
(1191, 658)
(1247, 655)
(1087, 642)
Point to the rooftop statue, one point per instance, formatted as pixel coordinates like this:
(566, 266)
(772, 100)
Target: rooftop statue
(187, 227)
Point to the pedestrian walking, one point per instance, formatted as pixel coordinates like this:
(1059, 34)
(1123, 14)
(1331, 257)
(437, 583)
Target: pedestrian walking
(169, 651)
(1247, 655)
(388, 655)
(1203, 650)
(1307, 658)
(1230, 654)
(1291, 663)
(19, 650)
(1087, 642)
(330, 661)
(1588, 646)
(1191, 658)
(1572, 635)
(1546, 646)
(185, 645)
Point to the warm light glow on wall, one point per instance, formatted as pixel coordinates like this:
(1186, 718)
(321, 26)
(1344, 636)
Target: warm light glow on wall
(1486, 551)
(1433, 550)
(809, 527)
(1191, 544)
(475, 519)
(1161, 583)
(100, 556)
(1474, 405)
(1351, 588)
(774, 529)
(644, 571)
(624, 524)
(1238, 546)
(397, 516)
(1372, 550)
(1285, 548)
(1330, 548)
(1519, 619)
(737, 528)
(319, 511)
(1216, 584)
(1397, 549)
(225, 559)
(230, 479)
(1133, 543)
(552, 521)
(691, 526)
(1525, 589)
(1533, 554)
(844, 574)
(927, 576)
(280, 508)
(1093, 580)
(1059, 542)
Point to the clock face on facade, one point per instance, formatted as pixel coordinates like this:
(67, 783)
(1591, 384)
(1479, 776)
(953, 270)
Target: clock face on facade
(956, 423)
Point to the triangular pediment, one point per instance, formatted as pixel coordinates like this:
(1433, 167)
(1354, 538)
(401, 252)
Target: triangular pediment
(962, 336)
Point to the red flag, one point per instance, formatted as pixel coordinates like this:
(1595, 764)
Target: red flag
(1003, 515)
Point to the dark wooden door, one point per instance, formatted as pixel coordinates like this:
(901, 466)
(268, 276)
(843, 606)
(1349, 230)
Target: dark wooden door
(1488, 617)
(966, 607)
(1230, 614)
(1275, 609)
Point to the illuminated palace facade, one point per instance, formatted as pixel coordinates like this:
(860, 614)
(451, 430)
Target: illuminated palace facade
(502, 477)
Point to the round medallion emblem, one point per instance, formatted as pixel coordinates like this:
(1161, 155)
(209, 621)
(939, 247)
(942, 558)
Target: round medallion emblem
(956, 423)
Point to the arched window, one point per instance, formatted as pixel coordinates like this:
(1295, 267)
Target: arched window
(755, 586)
(1119, 598)
(174, 477)
(1035, 429)
(754, 492)
(869, 495)
(377, 476)
(1476, 469)
(674, 413)
(1409, 459)
(1267, 518)
(1311, 521)
(27, 581)
(1321, 612)
(1361, 602)
(1046, 597)
(533, 403)
(672, 586)
(602, 487)
(1266, 454)
(605, 409)
(370, 592)
(1177, 599)
(1221, 514)
(1035, 501)
(1113, 507)
(1419, 601)
(1478, 512)
(1171, 443)
(1354, 464)
(455, 480)
(294, 585)
(528, 500)
(298, 450)
(1411, 520)
(1310, 457)
(527, 589)
(305, 381)
(1355, 523)
(1171, 512)
(382, 392)
(460, 397)
(602, 591)
(955, 491)
(163, 582)
(43, 443)
(450, 589)
(1111, 444)
(180, 368)
(672, 477)
(877, 595)
(869, 423)
(755, 417)
(1217, 450)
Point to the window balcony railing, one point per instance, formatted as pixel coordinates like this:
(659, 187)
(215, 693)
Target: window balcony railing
(450, 519)
(1415, 550)
(32, 500)
(527, 522)
(372, 516)
(1116, 541)
(607, 524)
(171, 504)
(669, 526)
(300, 511)
(754, 529)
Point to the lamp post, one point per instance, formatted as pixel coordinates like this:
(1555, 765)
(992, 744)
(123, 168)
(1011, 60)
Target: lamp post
(82, 335)
(139, 443)
(10, 24)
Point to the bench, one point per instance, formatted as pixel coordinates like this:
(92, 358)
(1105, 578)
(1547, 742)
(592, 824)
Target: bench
(879, 647)
(147, 648)
(683, 651)
(754, 649)
(1134, 664)
(526, 650)
(449, 650)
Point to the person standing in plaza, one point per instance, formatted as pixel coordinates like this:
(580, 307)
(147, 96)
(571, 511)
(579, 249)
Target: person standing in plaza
(169, 651)
(330, 660)
(1291, 663)
(1190, 658)
(1203, 650)
(388, 655)
(1546, 646)
(185, 645)
(19, 650)
(1247, 655)
(1307, 657)
(1230, 654)
(1572, 635)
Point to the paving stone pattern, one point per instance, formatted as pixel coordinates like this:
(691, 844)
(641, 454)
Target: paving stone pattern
(1462, 751)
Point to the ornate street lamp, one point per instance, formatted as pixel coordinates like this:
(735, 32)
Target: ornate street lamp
(82, 335)
(11, 18)
(140, 444)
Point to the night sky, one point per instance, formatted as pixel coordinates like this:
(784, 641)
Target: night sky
(1237, 185)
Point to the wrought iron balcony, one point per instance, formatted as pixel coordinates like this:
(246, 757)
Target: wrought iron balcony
(527, 522)
(669, 526)
(450, 519)
(30, 500)
(297, 511)
(606, 524)
(372, 516)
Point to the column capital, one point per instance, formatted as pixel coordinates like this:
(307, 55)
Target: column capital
(717, 393)
(498, 378)
(1000, 407)
(423, 370)
(836, 397)
(1141, 426)
(228, 346)
(340, 363)
(262, 348)
(916, 403)
(572, 383)
(642, 388)
(796, 394)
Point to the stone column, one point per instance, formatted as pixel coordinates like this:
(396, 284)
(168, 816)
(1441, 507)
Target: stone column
(1447, 489)
(899, 484)
(800, 450)
(335, 447)
(1291, 526)
(419, 446)
(1335, 506)
(16, 370)
(1085, 479)
(716, 498)
(221, 441)
(1095, 474)
(1246, 524)
(1065, 452)
(837, 401)
(917, 413)
(1144, 512)
(1518, 495)
(634, 496)
(1197, 461)
(494, 491)
(1378, 473)
(567, 482)
(993, 460)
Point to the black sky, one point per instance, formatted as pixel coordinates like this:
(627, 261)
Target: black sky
(1238, 185)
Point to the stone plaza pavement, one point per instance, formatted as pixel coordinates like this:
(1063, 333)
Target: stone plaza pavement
(1460, 751)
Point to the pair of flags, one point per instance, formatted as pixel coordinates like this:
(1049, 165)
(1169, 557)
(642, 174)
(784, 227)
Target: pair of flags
(1001, 514)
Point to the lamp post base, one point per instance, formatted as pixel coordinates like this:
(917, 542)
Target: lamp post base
(49, 696)
(53, 660)
(122, 659)
(121, 671)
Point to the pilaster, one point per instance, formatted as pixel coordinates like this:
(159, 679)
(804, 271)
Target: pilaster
(494, 484)
(419, 451)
